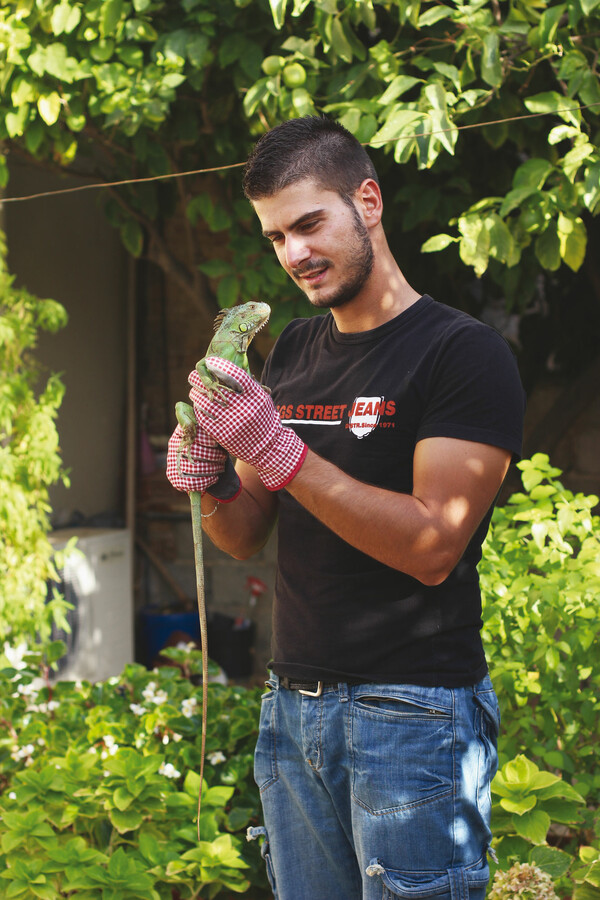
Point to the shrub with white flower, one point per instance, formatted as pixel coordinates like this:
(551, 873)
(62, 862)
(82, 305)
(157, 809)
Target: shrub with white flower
(522, 882)
(110, 769)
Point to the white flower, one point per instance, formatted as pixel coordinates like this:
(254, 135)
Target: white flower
(25, 752)
(160, 697)
(165, 739)
(25, 690)
(137, 709)
(216, 758)
(50, 706)
(188, 707)
(111, 746)
(148, 692)
(176, 737)
(12, 796)
(168, 770)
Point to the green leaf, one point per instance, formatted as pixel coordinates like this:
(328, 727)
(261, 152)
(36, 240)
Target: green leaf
(228, 291)
(49, 107)
(215, 268)
(591, 196)
(547, 248)
(432, 15)
(553, 102)
(532, 174)
(502, 244)
(339, 40)
(302, 102)
(398, 86)
(533, 825)
(126, 820)
(515, 198)
(551, 860)
(397, 122)
(572, 235)
(438, 242)
(15, 122)
(474, 243)
(197, 47)
(112, 11)
(586, 892)
(588, 6)
(65, 18)
(122, 798)
(132, 236)
(278, 8)
(491, 66)
(518, 805)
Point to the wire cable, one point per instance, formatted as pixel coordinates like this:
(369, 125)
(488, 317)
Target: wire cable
(206, 171)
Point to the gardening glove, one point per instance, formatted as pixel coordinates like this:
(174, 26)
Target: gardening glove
(202, 466)
(247, 424)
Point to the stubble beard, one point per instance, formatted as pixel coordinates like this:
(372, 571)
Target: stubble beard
(359, 271)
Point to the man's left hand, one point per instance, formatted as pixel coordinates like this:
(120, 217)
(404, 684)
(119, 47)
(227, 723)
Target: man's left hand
(248, 426)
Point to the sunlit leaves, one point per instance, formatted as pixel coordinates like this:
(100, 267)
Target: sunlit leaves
(102, 783)
(29, 462)
(540, 575)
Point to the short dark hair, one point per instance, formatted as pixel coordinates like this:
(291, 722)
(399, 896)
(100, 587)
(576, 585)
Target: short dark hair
(310, 147)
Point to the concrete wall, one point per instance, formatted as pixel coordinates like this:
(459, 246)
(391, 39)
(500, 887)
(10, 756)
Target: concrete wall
(63, 248)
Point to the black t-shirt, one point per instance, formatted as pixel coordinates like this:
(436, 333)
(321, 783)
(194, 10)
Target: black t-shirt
(363, 401)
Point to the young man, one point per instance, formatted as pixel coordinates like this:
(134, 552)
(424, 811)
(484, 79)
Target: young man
(389, 429)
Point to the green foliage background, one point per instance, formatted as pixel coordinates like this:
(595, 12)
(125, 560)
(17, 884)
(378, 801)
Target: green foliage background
(482, 118)
(98, 791)
(30, 463)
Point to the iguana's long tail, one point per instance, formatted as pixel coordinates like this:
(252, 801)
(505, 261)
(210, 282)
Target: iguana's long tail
(195, 503)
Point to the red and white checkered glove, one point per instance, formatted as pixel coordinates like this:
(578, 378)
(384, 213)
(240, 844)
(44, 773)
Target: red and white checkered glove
(203, 466)
(248, 426)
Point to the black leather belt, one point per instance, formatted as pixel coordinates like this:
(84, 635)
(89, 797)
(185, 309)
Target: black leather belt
(313, 688)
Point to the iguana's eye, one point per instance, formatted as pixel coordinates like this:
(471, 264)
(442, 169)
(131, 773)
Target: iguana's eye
(243, 327)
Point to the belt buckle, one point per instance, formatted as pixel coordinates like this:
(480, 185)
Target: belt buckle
(316, 693)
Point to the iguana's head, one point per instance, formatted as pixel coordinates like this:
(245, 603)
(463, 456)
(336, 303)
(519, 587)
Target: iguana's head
(240, 323)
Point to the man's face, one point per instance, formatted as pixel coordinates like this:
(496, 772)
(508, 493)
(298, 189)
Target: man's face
(321, 241)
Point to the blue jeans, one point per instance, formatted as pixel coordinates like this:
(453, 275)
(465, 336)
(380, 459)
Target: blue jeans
(377, 791)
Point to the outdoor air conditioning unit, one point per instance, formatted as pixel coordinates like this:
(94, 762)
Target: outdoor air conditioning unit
(97, 582)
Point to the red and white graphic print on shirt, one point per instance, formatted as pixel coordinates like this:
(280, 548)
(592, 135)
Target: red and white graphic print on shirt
(364, 415)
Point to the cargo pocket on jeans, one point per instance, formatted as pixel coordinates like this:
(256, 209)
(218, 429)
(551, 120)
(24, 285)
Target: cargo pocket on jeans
(488, 728)
(463, 883)
(265, 756)
(251, 835)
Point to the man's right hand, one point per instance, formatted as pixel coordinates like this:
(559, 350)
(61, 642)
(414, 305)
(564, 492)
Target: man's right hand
(201, 466)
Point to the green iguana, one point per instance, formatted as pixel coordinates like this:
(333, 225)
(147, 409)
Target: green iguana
(234, 330)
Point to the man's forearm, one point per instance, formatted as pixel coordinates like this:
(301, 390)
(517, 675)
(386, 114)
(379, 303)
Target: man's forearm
(241, 528)
(423, 534)
(383, 524)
